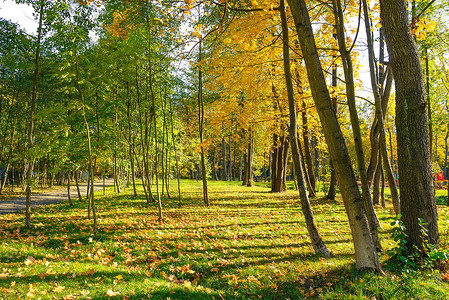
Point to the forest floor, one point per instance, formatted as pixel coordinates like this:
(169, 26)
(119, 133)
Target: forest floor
(45, 197)
(249, 244)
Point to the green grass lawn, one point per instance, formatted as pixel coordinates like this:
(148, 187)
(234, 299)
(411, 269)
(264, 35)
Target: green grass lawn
(250, 244)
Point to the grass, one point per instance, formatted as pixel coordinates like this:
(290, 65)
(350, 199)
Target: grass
(250, 244)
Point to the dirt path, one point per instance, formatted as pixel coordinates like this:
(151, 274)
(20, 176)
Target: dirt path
(17, 204)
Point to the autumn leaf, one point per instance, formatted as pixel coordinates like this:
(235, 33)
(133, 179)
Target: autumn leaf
(119, 277)
(89, 272)
(29, 260)
(111, 293)
(58, 289)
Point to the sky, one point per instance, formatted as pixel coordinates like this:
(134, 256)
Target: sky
(19, 13)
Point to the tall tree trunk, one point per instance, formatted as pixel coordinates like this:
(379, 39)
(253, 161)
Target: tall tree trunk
(153, 111)
(429, 110)
(278, 179)
(223, 155)
(250, 156)
(415, 175)
(382, 190)
(308, 156)
(68, 189)
(131, 140)
(376, 184)
(11, 147)
(201, 129)
(214, 164)
(445, 169)
(333, 180)
(381, 101)
(317, 242)
(365, 250)
(332, 191)
(231, 177)
(245, 170)
(178, 173)
(241, 166)
(353, 115)
(78, 186)
(30, 160)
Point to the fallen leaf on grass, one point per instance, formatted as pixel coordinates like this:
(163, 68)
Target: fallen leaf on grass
(29, 260)
(119, 277)
(111, 293)
(58, 289)
(89, 272)
(445, 276)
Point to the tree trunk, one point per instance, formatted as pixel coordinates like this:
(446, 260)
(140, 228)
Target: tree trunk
(29, 173)
(11, 146)
(350, 93)
(153, 115)
(223, 154)
(415, 175)
(332, 185)
(68, 189)
(308, 156)
(241, 166)
(201, 129)
(317, 242)
(249, 165)
(178, 173)
(376, 183)
(131, 140)
(280, 154)
(365, 250)
(382, 190)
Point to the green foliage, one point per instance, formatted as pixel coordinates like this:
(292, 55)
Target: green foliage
(410, 259)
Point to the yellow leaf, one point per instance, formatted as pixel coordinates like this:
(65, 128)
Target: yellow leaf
(119, 277)
(58, 289)
(29, 260)
(111, 293)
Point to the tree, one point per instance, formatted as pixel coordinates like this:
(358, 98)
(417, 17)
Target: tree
(365, 251)
(30, 161)
(415, 177)
(317, 241)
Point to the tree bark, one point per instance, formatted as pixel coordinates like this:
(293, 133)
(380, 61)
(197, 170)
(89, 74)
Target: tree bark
(357, 136)
(30, 160)
(317, 242)
(365, 250)
(308, 156)
(415, 175)
(68, 189)
(381, 99)
(250, 157)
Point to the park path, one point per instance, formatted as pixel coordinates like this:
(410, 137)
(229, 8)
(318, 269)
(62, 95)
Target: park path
(17, 204)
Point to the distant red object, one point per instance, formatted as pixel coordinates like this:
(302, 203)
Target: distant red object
(438, 176)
